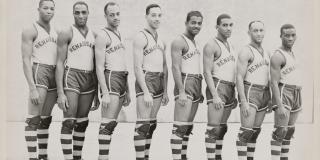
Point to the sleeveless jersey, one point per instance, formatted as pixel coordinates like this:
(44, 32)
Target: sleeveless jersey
(152, 53)
(191, 59)
(80, 50)
(290, 71)
(224, 66)
(258, 70)
(44, 47)
(115, 53)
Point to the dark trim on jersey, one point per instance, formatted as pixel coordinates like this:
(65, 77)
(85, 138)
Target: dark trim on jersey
(104, 29)
(146, 39)
(284, 57)
(215, 41)
(83, 35)
(187, 45)
(192, 40)
(155, 38)
(44, 28)
(250, 62)
(119, 36)
(262, 54)
(227, 47)
(34, 25)
(71, 35)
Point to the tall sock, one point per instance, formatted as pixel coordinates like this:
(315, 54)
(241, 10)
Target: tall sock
(30, 132)
(43, 136)
(251, 145)
(178, 131)
(185, 141)
(243, 136)
(79, 136)
(275, 149)
(140, 136)
(286, 143)
(105, 132)
(219, 141)
(210, 142)
(66, 138)
(153, 125)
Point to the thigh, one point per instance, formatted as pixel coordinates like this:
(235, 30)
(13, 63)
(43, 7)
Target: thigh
(36, 109)
(72, 98)
(51, 100)
(113, 108)
(214, 115)
(182, 112)
(194, 109)
(259, 118)
(143, 111)
(248, 121)
(156, 107)
(293, 118)
(226, 114)
(84, 104)
(281, 122)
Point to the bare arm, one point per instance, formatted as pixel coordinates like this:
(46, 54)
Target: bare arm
(165, 70)
(176, 52)
(242, 64)
(276, 61)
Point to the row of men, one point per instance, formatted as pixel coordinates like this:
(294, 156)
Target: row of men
(71, 64)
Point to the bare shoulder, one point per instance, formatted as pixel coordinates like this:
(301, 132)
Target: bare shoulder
(211, 46)
(65, 33)
(277, 58)
(29, 31)
(179, 42)
(140, 39)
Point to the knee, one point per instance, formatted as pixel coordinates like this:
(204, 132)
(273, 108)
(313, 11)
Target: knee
(81, 126)
(290, 133)
(32, 123)
(215, 132)
(245, 134)
(189, 130)
(108, 128)
(180, 130)
(255, 135)
(279, 133)
(67, 126)
(152, 128)
(45, 122)
(223, 130)
(143, 129)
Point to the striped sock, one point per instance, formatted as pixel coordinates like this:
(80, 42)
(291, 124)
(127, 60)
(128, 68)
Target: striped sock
(185, 141)
(153, 125)
(105, 134)
(275, 149)
(66, 138)
(43, 136)
(178, 132)
(251, 145)
(243, 136)
(285, 149)
(79, 136)
(210, 144)
(140, 136)
(219, 144)
(31, 136)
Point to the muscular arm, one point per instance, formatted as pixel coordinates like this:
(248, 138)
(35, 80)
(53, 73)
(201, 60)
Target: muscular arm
(138, 44)
(276, 61)
(242, 64)
(64, 37)
(28, 35)
(176, 52)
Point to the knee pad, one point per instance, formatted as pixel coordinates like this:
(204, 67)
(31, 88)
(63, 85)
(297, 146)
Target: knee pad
(255, 135)
(45, 122)
(67, 126)
(180, 131)
(223, 131)
(81, 126)
(189, 131)
(214, 132)
(32, 123)
(108, 128)
(279, 133)
(290, 133)
(245, 134)
(143, 129)
(152, 128)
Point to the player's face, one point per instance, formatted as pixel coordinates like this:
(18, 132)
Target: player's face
(257, 32)
(154, 17)
(194, 25)
(113, 15)
(225, 27)
(80, 14)
(46, 10)
(288, 37)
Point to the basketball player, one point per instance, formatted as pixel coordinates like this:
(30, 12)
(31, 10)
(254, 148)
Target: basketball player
(219, 62)
(151, 80)
(286, 89)
(76, 81)
(112, 76)
(253, 90)
(39, 51)
(187, 77)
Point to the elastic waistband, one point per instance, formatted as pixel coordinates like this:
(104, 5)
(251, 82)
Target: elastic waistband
(45, 65)
(154, 73)
(78, 70)
(192, 75)
(290, 86)
(120, 72)
(223, 81)
(256, 85)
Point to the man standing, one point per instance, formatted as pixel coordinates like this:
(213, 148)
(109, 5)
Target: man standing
(187, 77)
(219, 62)
(286, 89)
(253, 89)
(39, 46)
(112, 76)
(76, 80)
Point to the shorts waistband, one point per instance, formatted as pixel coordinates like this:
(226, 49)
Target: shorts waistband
(79, 70)
(44, 65)
(290, 86)
(256, 85)
(120, 72)
(223, 81)
(192, 75)
(154, 73)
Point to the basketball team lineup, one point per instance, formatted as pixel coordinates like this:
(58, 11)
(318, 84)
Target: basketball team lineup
(81, 70)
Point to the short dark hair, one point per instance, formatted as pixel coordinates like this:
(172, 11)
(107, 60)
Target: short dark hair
(107, 5)
(41, 1)
(222, 16)
(286, 26)
(80, 3)
(151, 6)
(250, 24)
(193, 13)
